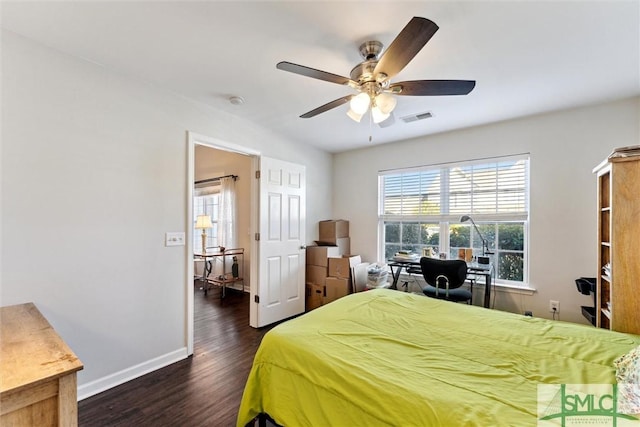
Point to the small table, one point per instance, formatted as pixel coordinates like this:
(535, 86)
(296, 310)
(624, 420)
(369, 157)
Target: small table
(474, 268)
(226, 278)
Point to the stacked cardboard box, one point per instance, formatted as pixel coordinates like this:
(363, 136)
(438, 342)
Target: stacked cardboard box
(316, 273)
(328, 277)
(339, 283)
(335, 232)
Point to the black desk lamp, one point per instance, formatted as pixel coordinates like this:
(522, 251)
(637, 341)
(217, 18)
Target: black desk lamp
(485, 244)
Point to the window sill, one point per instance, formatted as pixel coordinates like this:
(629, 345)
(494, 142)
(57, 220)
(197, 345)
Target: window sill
(498, 287)
(513, 289)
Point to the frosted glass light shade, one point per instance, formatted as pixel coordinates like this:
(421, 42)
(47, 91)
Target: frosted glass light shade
(203, 221)
(354, 116)
(386, 103)
(378, 116)
(360, 103)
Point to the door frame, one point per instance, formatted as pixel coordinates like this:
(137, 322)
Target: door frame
(194, 139)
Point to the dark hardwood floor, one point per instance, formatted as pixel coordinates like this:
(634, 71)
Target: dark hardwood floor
(203, 390)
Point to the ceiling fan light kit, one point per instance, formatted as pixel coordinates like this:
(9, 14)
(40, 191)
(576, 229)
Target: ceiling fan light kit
(371, 78)
(360, 103)
(381, 106)
(385, 102)
(378, 116)
(354, 116)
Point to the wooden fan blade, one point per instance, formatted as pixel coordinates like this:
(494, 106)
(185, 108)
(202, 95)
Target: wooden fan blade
(405, 46)
(313, 73)
(326, 107)
(433, 87)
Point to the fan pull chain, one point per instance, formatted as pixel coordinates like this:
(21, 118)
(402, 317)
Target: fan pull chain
(370, 125)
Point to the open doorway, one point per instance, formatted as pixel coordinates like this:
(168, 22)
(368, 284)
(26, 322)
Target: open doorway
(277, 207)
(210, 158)
(222, 194)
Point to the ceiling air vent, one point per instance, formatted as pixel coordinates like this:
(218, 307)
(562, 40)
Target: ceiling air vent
(416, 117)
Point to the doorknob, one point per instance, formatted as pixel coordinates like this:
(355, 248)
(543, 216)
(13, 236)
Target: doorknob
(303, 247)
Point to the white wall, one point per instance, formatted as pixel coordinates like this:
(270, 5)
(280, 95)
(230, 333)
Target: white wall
(94, 172)
(564, 148)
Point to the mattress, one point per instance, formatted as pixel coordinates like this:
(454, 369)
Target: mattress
(389, 358)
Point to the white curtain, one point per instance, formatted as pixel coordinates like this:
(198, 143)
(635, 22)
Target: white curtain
(227, 213)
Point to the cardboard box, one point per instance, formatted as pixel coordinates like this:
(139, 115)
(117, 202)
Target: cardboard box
(344, 245)
(314, 295)
(341, 267)
(319, 255)
(335, 288)
(331, 230)
(316, 274)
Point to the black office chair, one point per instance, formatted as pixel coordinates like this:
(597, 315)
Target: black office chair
(444, 278)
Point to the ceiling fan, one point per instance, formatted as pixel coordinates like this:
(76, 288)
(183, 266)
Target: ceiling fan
(371, 78)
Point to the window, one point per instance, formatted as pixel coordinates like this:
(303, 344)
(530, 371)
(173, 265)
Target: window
(422, 208)
(205, 205)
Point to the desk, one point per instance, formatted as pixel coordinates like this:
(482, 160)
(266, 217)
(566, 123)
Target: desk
(226, 277)
(474, 268)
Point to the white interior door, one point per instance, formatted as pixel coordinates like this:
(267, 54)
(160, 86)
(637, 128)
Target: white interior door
(281, 290)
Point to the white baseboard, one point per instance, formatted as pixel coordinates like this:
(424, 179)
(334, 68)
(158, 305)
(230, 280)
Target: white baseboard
(117, 378)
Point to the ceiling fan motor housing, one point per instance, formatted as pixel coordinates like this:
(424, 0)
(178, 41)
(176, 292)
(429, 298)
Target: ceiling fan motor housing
(371, 49)
(364, 72)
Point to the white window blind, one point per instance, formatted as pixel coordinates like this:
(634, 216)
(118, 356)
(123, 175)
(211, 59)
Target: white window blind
(412, 193)
(481, 189)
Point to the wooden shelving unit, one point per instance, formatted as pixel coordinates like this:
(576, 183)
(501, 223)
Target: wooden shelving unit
(618, 279)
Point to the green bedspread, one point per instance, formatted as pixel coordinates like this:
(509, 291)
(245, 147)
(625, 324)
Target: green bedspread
(388, 358)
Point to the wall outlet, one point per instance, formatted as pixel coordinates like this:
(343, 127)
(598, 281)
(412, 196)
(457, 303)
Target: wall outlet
(554, 306)
(528, 313)
(174, 238)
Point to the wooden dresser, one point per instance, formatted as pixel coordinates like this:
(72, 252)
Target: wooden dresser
(38, 385)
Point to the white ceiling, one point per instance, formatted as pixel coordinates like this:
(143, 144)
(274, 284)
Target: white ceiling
(526, 57)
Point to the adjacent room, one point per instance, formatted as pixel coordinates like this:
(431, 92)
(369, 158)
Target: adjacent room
(210, 173)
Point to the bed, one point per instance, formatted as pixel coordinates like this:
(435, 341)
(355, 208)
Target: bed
(389, 358)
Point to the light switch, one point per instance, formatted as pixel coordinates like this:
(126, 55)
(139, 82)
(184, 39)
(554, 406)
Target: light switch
(174, 238)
